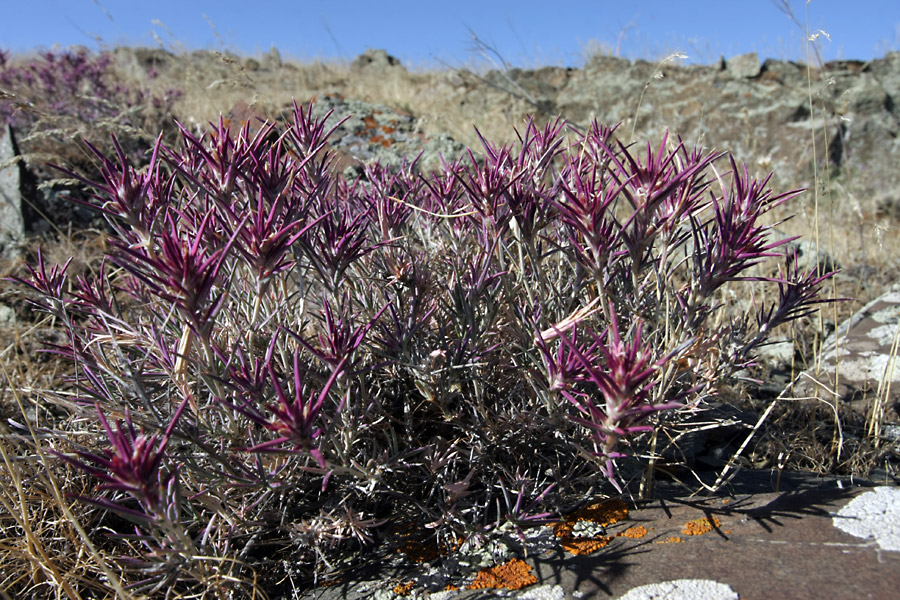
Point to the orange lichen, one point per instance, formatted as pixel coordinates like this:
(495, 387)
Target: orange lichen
(605, 513)
(418, 547)
(634, 533)
(419, 551)
(700, 526)
(512, 575)
(403, 589)
(327, 583)
(671, 540)
(582, 546)
(450, 588)
(383, 141)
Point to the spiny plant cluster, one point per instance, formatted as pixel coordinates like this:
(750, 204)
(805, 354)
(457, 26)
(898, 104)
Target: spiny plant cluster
(275, 363)
(72, 82)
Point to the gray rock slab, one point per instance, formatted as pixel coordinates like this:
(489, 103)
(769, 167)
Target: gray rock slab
(12, 223)
(759, 543)
(859, 363)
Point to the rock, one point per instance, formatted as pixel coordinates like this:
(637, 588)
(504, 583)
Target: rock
(56, 202)
(887, 73)
(375, 60)
(780, 71)
(891, 433)
(272, 60)
(810, 535)
(539, 86)
(705, 440)
(256, 116)
(145, 58)
(865, 96)
(153, 57)
(7, 315)
(12, 223)
(754, 110)
(745, 66)
(600, 62)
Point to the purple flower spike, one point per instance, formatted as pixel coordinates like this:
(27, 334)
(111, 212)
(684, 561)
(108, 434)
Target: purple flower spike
(133, 462)
(624, 384)
(47, 284)
(183, 272)
(295, 417)
(735, 241)
(340, 339)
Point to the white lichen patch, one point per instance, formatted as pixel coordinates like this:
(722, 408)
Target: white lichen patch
(493, 552)
(873, 515)
(866, 367)
(890, 432)
(883, 335)
(889, 313)
(587, 529)
(682, 589)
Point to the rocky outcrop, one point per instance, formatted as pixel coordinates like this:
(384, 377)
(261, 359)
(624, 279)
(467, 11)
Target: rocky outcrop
(376, 132)
(745, 66)
(758, 111)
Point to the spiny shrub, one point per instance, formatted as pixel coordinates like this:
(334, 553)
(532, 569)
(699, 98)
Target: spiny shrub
(72, 82)
(276, 362)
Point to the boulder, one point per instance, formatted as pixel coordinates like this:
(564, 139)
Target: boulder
(744, 66)
(864, 96)
(242, 113)
(808, 255)
(12, 222)
(778, 353)
(375, 60)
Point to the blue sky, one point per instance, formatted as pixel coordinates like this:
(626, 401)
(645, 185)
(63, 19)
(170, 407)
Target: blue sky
(432, 32)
